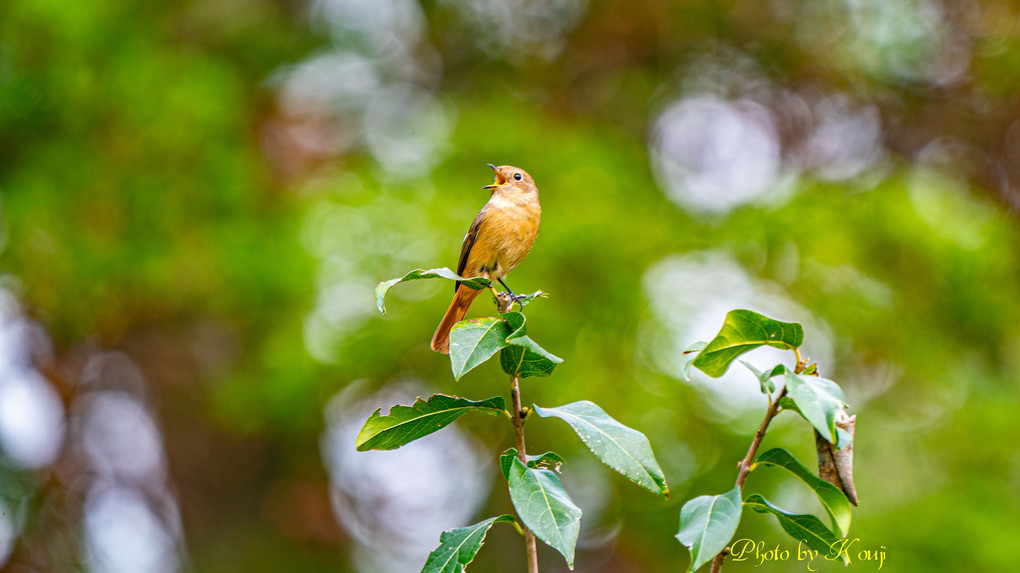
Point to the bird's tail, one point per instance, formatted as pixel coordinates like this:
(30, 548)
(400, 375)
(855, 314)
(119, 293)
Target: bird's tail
(458, 308)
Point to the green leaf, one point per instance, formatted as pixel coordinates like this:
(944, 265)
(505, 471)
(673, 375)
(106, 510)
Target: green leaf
(472, 342)
(806, 528)
(417, 274)
(624, 449)
(506, 461)
(707, 524)
(527, 359)
(549, 460)
(744, 331)
(404, 424)
(522, 356)
(843, 439)
(787, 403)
(458, 547)
(688, 356)
(833, 499)
(545, 508)
(817, 400)
(546, 461)
(765, 378)
(517, 323)
(526, 298)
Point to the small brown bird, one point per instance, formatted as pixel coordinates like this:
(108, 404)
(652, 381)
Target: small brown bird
(499, 238)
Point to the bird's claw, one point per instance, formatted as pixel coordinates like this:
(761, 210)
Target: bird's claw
(505, 301)
(516, 299)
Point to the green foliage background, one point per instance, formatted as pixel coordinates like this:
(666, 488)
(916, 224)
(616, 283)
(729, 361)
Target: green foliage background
(143, 212)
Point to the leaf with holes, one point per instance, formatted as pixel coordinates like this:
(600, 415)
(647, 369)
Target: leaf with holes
(547, 461)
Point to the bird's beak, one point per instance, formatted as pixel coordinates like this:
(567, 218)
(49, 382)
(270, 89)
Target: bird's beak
(500, 178)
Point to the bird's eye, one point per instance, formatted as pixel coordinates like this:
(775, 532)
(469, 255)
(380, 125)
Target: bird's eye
(517, 176)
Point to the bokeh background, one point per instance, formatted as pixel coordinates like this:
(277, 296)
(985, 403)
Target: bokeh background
(199, 197)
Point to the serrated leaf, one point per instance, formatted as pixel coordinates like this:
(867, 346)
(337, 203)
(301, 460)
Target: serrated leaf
(743, 331)
(548, 460)
(522, 356)
(545, 508)
(472, 342)
(707, 524)
(832, 498)
(688, 356)
(405, 424)
(418, 274)
(458, 547)
(801, 527)
(818, 400)
(624, 449)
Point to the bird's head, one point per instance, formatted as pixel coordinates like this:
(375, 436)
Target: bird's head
(510, 179)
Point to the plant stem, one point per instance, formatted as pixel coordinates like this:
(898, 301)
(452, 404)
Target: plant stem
(745, 467)
(745, 464)
(529, 537)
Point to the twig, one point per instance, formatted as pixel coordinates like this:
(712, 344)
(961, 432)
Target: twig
(518, 416)
(745, 464)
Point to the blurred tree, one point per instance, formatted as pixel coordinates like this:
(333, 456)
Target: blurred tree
(215, 188)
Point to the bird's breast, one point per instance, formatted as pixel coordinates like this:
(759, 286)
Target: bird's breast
(507, 235)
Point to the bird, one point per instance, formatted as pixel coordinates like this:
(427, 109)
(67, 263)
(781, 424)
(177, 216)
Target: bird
(499, 238)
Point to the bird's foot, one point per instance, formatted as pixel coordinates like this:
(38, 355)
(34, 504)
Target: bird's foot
(516, 299)
(505, 301)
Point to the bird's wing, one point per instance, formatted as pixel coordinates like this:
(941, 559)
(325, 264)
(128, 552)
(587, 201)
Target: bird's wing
(469, 241)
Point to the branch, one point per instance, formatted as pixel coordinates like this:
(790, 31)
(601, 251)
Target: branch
(518, 416)
(745, 464)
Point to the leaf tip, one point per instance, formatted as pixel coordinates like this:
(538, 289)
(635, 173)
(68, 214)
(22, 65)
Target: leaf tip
(366, 435)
